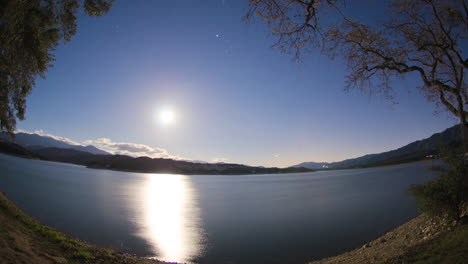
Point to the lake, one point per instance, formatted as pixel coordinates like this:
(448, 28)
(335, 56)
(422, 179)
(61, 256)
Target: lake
(281, 218)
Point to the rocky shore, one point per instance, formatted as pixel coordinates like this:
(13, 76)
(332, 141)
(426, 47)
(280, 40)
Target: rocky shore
(396, 243)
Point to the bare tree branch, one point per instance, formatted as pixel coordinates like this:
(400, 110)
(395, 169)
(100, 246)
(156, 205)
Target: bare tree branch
(422, 37)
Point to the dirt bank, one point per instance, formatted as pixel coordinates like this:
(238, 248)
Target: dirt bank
(403, 244)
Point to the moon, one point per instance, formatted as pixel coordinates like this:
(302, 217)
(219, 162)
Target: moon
(166, 117)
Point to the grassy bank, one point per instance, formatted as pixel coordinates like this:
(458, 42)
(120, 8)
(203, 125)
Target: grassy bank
(25, 240)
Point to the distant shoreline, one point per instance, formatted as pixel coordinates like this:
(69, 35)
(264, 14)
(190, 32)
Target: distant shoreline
(47, 148)
(290, 170)
(140, 164)
(214, 173)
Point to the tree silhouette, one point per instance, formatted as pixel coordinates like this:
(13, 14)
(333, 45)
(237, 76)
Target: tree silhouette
(30, 30)
(423, 37)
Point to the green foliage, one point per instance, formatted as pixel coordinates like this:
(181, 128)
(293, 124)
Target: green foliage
(83, 254)
(29, 33)
(447, 194)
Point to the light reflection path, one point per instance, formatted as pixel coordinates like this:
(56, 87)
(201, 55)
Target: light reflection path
(170, 220)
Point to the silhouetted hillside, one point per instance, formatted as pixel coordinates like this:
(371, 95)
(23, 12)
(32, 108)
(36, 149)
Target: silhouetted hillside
(15, 149)
(414, 151)
(75, 154)
(35, 141)
(141, 164)
(66, 155)
(145, 164)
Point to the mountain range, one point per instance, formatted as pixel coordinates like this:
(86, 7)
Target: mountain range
(36, 146)
(49, 148)
(414, 151)
(35, 141)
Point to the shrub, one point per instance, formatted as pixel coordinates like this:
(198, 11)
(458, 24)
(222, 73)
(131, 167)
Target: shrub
(448, 193)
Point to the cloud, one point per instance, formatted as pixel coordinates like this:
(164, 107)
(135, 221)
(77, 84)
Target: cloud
(122, 148)
(219, 160)
(42, 133)
(131, 149)
(276, 155)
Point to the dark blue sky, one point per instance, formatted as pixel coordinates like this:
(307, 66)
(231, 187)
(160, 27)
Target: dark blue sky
(234, 97)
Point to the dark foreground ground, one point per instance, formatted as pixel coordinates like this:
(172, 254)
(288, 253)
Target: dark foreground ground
(421, 240)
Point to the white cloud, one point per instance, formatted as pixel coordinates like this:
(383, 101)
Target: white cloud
(42, 133)
(219, 160)
(131, 149)
(276, 155)
(122, 148)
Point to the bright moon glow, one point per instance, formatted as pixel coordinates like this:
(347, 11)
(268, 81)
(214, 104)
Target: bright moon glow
(170, 222)
(166, 117)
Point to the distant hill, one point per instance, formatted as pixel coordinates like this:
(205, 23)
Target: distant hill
(140, 164)
(313, 165)
(414, 151)
(152, 165)
(35, 142)
(66, 155)
(17, 150)
(47, 148)
(145, 164)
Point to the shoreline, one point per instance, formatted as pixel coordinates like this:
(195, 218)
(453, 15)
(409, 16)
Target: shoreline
(396, 243)
(26, 240)
(195, 174)
(227, 169)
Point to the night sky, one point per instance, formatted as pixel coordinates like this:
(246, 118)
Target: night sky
(233, 97)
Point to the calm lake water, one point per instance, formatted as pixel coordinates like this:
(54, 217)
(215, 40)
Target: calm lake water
(282, 218)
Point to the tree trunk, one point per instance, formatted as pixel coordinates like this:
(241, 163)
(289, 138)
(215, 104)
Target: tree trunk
(464, 136)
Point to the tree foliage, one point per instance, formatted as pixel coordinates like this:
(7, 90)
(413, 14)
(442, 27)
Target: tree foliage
(447, 194)
(30, 30)
(424, 37)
